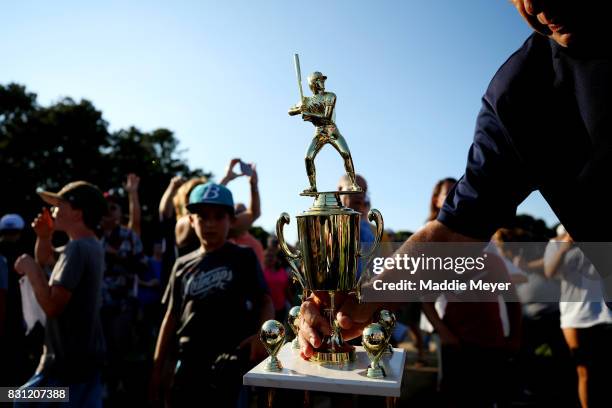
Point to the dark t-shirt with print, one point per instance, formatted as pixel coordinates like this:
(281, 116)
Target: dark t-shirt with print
(212, 297)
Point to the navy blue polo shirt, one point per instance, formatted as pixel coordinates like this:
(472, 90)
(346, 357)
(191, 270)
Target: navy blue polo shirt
(545, 124)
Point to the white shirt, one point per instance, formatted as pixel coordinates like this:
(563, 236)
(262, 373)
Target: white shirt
(582, 303)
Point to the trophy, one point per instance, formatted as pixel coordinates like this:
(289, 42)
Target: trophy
(272, 335)
(387, 320)
(292, 321)
(326, 259)
(374, 341)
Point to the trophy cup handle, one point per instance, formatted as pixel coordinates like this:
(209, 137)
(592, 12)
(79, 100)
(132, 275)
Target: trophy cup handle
(292, 257)
(376, 216)
(282, 220)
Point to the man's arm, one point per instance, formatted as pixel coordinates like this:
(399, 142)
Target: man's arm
(435, 231)
(52, 299)
(354, 316)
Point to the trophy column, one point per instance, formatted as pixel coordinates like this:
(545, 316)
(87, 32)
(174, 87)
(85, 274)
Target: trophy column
(326, 261)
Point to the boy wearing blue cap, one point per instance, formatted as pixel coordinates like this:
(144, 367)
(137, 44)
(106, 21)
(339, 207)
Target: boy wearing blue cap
(217, 300)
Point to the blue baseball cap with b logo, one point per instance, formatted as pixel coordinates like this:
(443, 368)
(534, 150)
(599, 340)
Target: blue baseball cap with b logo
(210, 193)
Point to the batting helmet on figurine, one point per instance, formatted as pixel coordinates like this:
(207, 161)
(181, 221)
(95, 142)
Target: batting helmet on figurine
(314, 76)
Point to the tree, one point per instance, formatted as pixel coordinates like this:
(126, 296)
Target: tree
(47, 147)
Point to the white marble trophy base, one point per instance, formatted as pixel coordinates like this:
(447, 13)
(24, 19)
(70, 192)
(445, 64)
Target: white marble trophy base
(299, 374)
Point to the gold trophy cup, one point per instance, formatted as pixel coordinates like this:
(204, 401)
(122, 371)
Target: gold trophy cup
(329, 252)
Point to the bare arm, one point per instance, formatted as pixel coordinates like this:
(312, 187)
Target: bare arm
(166, 209)
(52, 299)
(43, 251)
(183, 232)
(131, 186)
(43, 227)
(552, 265)
(229, 172)
(246, 219)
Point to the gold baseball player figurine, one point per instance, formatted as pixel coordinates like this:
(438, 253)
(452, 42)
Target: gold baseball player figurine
(319, 109)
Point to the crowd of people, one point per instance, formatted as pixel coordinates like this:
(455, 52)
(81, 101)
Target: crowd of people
(124, 324)
(120, 323)
(87, 308)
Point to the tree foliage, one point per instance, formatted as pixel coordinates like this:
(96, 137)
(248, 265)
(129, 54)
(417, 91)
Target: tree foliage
(47, 147)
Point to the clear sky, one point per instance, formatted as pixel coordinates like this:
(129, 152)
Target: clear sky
(408, 74)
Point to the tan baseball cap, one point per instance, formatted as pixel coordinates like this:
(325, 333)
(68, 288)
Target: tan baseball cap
(80, 194)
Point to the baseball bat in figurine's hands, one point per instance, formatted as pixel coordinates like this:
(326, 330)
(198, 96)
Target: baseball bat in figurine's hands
(297, 109)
